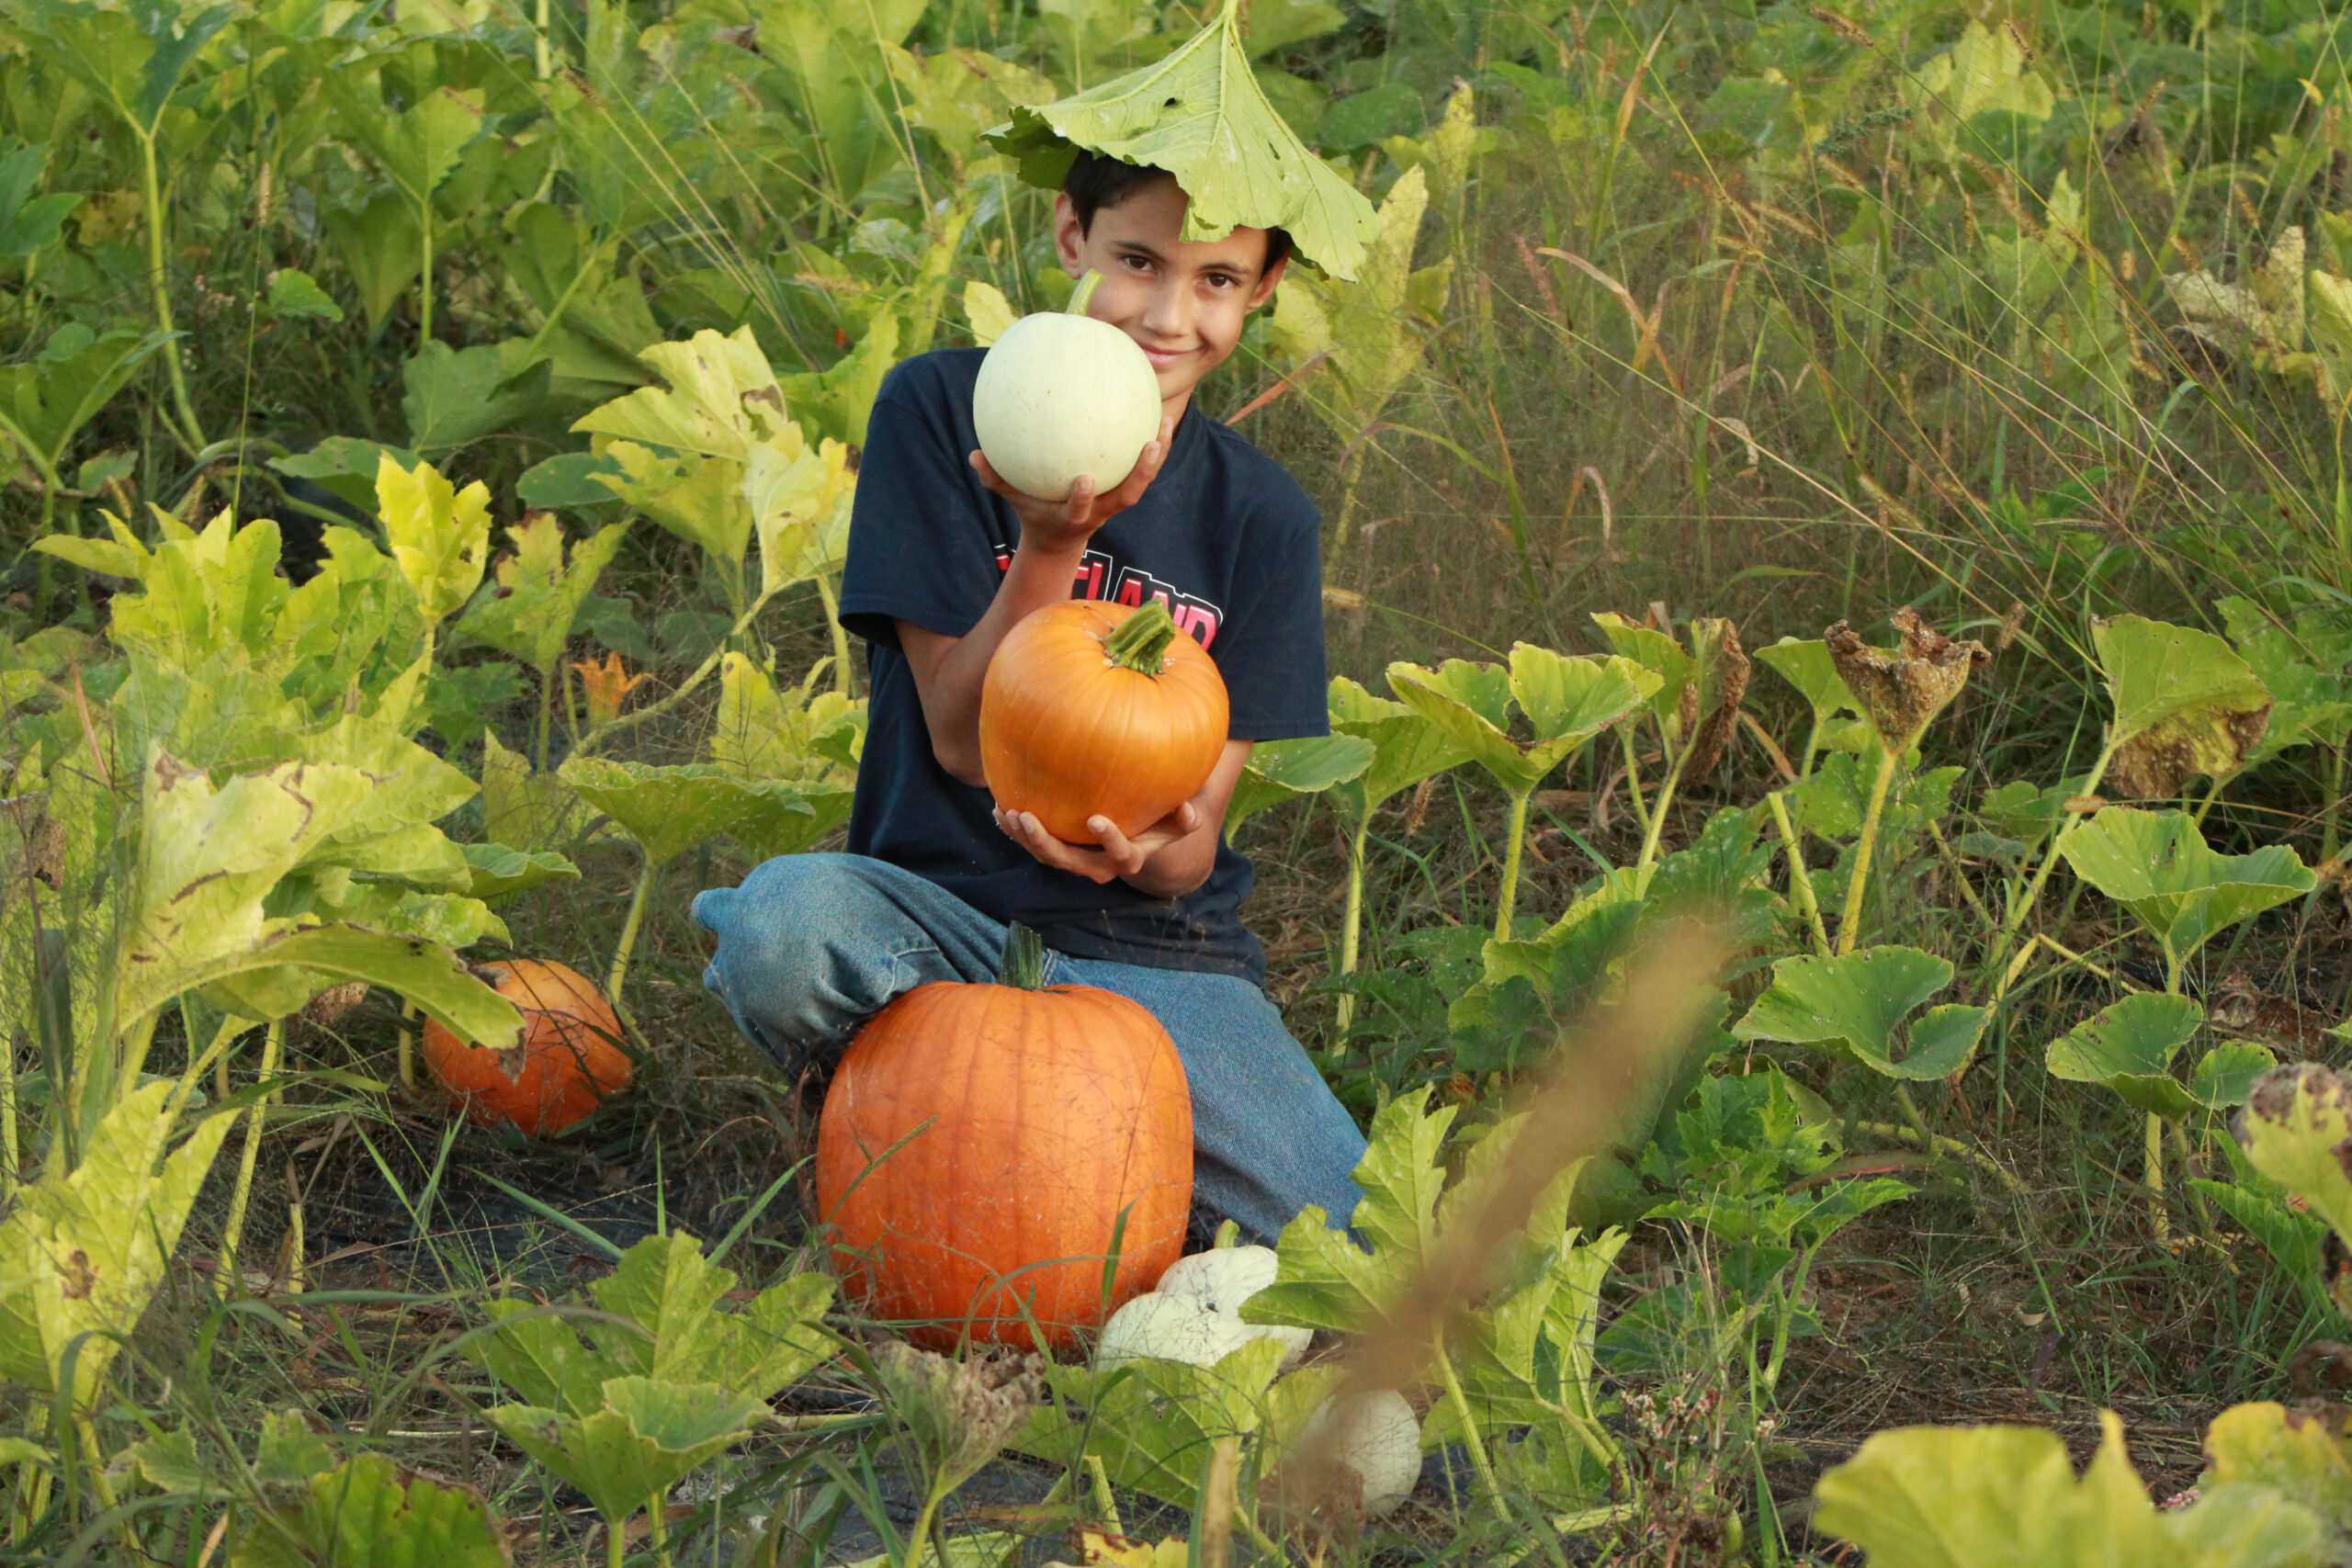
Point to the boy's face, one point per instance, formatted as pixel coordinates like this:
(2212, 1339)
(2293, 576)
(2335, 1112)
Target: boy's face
(1182, 301)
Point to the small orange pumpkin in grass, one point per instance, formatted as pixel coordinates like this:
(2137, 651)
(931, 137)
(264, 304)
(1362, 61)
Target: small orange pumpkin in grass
(1095, 709)
(566, 1059)
(982, 1147)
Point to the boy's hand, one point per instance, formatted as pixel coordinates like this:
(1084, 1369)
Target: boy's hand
(1119, 855)
(1068, 523)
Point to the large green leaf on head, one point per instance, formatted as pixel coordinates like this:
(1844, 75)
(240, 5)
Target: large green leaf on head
(645, 1437)
(1285, 770)
(1970, 1496)
(365, 1513)
(529, 614)
(439, 535)
(2129, 1047)
(82, 1253)
(1566, 701)
(2157, 864)
(1200, 115)
(670, 810)
(1856, 1004)
(2185, 704)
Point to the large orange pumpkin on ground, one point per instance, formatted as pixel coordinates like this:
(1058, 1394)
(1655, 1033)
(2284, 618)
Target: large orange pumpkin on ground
(565, 1061)
(983, 1147)
(1094, 709)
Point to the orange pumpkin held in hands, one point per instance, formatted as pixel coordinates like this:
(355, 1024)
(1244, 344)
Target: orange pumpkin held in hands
(565, 1061)
(1094, 709)
(983, 1148)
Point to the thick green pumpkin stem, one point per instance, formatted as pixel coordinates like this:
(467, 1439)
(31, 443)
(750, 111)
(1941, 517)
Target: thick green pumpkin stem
(1023, 964)
(1140, 641)
(1083, 295)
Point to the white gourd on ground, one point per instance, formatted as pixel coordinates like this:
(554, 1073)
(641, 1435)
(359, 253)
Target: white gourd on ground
(1378, 1437)
(1168, 1328)
(1223, 1278)
(1060, 395)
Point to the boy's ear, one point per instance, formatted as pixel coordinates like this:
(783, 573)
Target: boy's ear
(1267, 284)
(1068, 234)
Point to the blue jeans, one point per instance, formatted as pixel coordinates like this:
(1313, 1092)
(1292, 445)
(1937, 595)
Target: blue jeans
(811, 945)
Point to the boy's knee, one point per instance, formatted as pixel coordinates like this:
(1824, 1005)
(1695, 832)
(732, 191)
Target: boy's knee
(787, 899)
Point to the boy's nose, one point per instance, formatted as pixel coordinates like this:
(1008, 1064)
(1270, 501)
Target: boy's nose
(1168, 313)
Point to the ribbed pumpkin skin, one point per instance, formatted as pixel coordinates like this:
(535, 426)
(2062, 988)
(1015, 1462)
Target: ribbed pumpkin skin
(1066, 734)
(1050, 1111)
(567, 1062)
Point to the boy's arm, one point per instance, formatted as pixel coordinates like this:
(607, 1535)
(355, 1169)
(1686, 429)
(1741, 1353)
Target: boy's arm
(949, 670)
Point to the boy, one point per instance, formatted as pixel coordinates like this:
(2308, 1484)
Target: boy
(944, 558)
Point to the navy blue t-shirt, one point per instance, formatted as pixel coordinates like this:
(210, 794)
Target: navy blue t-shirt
(1223, 535)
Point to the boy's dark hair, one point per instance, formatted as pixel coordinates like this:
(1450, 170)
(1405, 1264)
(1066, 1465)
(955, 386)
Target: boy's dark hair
(1095, 182)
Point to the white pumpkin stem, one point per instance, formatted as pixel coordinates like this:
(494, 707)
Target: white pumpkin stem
(1084, 295)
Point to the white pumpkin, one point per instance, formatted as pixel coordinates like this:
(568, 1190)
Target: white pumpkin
(1168, 1328)
(1062, 395)
(1378, 1437)
(1223, 1278)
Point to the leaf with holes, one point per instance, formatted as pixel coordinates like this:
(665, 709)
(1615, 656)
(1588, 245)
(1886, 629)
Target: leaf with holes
(2129, 1047)
(2185, 704)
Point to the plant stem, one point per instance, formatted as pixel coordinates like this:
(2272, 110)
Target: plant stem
(1657, 828)
(1943, 1145)
(1850, 925)
(616, 1552)
(845, 671)
(2159, 1220)
(921, 1531)
(408, 1045)
(1800, 879)
(152, 192)
(547, 710)
(232, 1230)
(629, 930)
(1510, 867)
(1470, 1438)
(1140, 642)
(1633, 781)
(1351, 922)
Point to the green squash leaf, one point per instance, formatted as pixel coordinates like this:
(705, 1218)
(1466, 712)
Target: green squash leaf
(2297, 1129)
(440, 535)
(646, 1438)
(2157, 864)
(529, 614)
(363, 1514)
(1285, 770)
(2129, 1047)
(1858, 1002)
(670, 810)
(497, 871)
(1566, 701)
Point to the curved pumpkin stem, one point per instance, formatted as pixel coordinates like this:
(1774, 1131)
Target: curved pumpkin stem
(1083, 295)
(1023, 964)
(1140, 642)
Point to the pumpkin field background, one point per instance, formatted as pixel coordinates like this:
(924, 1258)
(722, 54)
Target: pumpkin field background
(1838, 567)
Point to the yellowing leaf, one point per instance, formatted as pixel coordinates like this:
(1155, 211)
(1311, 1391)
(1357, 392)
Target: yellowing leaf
(988, 310)
(440, 535)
